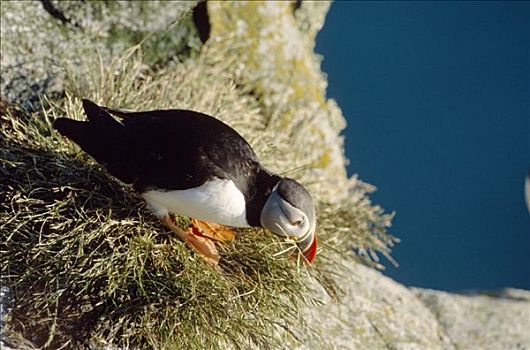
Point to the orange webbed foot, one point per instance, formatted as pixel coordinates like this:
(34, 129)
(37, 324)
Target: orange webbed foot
(202, 245)
(212, 230)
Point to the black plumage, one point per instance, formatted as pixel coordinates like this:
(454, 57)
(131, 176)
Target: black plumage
(171, 150)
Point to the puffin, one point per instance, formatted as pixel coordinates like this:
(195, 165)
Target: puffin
(191, 164)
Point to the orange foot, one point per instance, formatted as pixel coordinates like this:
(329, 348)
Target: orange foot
(212, 231)
(202, 245)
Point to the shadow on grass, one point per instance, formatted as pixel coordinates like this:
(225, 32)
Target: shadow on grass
(37, 184)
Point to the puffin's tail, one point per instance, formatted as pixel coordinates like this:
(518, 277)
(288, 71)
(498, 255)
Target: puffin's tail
(103, 137)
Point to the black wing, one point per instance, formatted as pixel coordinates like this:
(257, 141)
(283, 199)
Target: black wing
(104, 138)
(181, 149)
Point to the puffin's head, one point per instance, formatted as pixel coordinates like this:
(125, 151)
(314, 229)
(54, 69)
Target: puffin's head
(289, 212)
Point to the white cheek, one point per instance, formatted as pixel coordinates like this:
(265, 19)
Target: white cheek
(295, 230)
(305, 227)
(286, 224)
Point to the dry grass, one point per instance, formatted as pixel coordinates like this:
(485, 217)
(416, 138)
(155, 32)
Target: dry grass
(89, 265)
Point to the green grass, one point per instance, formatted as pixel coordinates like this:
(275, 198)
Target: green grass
(89, 264)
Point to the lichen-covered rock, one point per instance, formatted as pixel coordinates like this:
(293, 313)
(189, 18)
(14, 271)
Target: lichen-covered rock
(276, 58)
(270, 47)
(40, 37)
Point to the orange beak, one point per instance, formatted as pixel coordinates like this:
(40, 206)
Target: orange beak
(311, 252)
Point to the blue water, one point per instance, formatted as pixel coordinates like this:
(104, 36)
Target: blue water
(437, 99)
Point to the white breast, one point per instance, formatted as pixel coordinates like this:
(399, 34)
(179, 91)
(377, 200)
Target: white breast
(218, 201)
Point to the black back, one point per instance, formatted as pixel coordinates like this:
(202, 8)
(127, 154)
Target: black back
(180, 149)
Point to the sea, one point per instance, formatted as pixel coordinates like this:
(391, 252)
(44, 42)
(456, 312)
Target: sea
(437, 100)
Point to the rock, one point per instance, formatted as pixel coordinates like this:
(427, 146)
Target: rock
(285, 75)
(379, 313)
(270, 47)
(482, 320)
(376, 313)
(41, 39)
